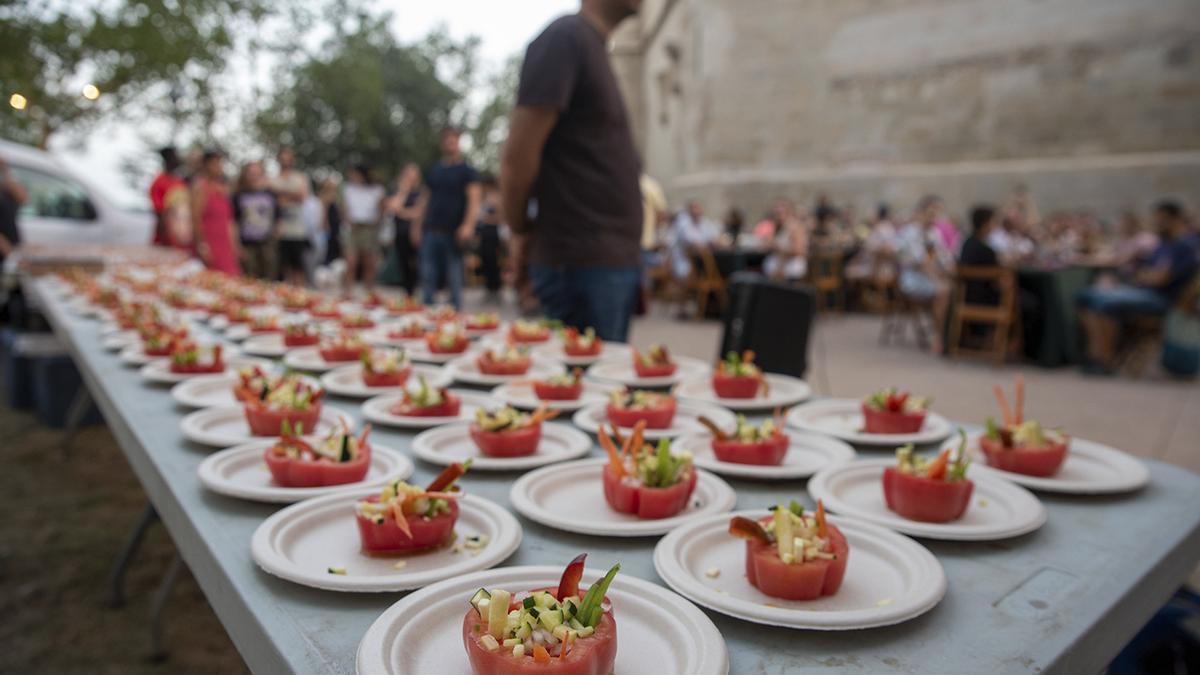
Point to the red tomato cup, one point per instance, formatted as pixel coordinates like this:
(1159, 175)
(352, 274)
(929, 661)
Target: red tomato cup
(734, 386)
(325, 312)
(593, 655)
(267, 421)
(1044, 461)
(647, 502)
(414, 332)
(163, 350)
(356, 324)
(340, 354)
(654, 369)
(290, 340)
(297, 473)
(395, 378)
(265, 328)
(925, 499)
(656, 418)
(217, 366)
(557, 392)
(387, 538)
(797, 581)
(459, 345)
(888, 422)
(489, 366)
(541, 335)
(449, 407)
(573, 348)
(768, 452)
(510, 443)
(492, 324)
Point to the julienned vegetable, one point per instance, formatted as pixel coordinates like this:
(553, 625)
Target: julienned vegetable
(656, 362)
(890, 411)
(765, 444)
(929, 490)
(738, 377)
(404, 518)
(1022, 446)
(552, 630)
(644, 480)
(793, 555)
(581, 344)
(426, 401)
(337, 459)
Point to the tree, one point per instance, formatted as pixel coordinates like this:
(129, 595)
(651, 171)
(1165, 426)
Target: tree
(489, 125)
(125, 48)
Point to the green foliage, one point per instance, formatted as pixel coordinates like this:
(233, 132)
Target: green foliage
(48, 51)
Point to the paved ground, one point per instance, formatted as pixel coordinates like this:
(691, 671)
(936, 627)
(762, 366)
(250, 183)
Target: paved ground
(56, 544)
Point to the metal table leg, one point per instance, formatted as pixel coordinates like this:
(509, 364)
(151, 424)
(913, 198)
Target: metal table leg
(81, 405)
(158, 647)
(116, 578)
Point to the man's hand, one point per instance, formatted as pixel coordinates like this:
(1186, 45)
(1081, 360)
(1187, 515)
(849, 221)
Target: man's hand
(464, 235)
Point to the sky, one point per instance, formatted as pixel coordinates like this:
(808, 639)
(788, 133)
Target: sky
(503, 27)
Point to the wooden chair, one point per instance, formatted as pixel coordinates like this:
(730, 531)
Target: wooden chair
(706, 281)
(1003, 317)
(825, 276)
(877, 290)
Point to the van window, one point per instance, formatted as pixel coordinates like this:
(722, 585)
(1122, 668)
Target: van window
(53, 196)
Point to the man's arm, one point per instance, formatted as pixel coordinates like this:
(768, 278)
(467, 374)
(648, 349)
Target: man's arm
(466, 229)
(528, 129)
(418, 220)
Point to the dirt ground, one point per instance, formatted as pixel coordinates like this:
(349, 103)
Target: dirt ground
(62, 524)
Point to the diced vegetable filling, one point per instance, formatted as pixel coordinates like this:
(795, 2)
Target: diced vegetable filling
(893, 400)
(946, 466)
(638, 399)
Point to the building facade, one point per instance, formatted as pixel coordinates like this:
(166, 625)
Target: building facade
(1091, 103)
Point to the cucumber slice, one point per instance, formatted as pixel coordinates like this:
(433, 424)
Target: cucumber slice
(344, 455)
(498, 613)
(480, 601)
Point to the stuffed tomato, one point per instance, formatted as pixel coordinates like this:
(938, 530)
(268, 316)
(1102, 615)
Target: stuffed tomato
(656, 362)
(189, 358)
(448, 338)
(385, 368)
(646, 481)
(508, 432)
(408, 330)
(291, 402)
(405, 519)
(508, 361)
(343, 348)
(560, 387)
(483, 321)
(300, 335)
(1022, 446)
(791, 555)
(738, 377)
(337, 459)
(627, 408)
(583, 344)
(930, 491)
(426, 401)
(558, 631)
(356, 322)
(764, 445)
(892, 412)
(528, 331)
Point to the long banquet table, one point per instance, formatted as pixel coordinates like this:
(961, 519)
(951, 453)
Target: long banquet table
(1064, 599)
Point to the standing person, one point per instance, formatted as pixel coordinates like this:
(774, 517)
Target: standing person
(331, 207)
(360, 237)
(255, 211)
(488, 232)
(169, 199)
(291, 189)
(12, 196)
(570, 150)
(402, 208)
(212, 216)
(449, 208)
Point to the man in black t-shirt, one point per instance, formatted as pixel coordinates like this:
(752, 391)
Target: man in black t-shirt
(977, 253)
(569, 174)
(450, 207)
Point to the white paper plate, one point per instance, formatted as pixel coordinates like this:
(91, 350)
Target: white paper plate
(301, 542)
(520, 395)
(241, 472)
(464, 369)
(159, 370)
(621, 370)
(422, 633)
(309, 358)
(785, 390)
(347, 380)
(226, 426)
(806, 455)
(135, 355)
(889, 577)
(209, 391)
(590, 417)
(452, 443)
(613, 351)
(998, 510)
(219, 322)
(419, 351)
(377, 410)
(570, 497)
(379, 337)
(120, 340)
(842, 418)
(1090, 469)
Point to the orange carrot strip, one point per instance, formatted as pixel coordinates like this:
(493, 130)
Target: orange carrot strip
(400, 518)
(937, 468)
(1004, 412)
(822, 528)
(540, 655)
(1019, 403)
(635, 440)
(614, 459)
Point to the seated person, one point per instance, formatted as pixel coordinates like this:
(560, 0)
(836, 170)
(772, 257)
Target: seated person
(690, 231)
(976, 252)
(1150, 292)
(926, 264)
(788, 260)
(878, 249)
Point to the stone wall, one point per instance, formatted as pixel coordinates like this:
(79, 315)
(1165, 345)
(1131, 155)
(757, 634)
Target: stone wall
(1092, 103)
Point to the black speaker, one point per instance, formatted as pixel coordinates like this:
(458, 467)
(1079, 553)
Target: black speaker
(773, 319)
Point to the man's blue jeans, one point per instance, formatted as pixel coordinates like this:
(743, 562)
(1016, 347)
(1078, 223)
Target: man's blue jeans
(441, 259)
(598, 297)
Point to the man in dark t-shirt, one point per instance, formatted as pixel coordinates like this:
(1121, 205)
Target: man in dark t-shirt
(977, 253)
(451, 207)
(569, 174)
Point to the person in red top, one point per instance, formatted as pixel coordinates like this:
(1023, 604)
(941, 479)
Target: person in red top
(169, 198)
(212, 217)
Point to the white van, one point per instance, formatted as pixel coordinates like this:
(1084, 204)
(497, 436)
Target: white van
(62, 209)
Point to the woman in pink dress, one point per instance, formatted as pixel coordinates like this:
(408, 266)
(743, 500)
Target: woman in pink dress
(212, 217)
